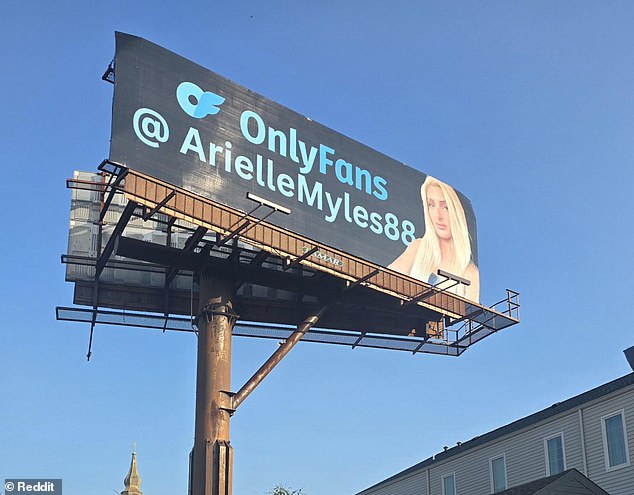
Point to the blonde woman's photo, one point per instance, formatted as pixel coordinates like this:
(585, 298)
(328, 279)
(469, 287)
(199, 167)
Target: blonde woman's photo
(446, 244)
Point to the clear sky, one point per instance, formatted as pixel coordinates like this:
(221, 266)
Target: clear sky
(526, 107)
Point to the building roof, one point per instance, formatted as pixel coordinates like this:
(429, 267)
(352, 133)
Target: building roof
(520, 424)
(570, 482)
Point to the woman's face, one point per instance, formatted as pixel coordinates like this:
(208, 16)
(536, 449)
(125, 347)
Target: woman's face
(437, 208)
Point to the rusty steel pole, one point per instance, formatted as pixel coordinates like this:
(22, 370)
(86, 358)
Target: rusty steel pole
(213, 457)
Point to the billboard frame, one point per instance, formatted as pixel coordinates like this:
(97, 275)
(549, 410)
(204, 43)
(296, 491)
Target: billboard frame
(398, 312)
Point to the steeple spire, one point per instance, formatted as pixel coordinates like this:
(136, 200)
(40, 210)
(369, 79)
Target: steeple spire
(132, 481)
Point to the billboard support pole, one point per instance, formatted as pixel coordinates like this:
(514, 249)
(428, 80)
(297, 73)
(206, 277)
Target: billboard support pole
(213, 455)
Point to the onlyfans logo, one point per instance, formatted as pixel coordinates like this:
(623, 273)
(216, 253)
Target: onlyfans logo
(197, 103)
(152, 129)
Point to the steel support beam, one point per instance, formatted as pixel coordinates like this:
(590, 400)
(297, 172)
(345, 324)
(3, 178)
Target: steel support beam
(213, 458)
(114, 238)
(113, 190)
(190, 246)
(276, 357)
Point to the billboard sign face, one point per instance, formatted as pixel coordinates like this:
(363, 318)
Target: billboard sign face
(190, 127)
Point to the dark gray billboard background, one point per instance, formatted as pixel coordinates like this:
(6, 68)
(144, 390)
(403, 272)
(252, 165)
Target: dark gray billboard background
(181, 123)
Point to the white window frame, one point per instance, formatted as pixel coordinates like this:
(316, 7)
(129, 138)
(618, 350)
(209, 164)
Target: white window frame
(494, 458)
(442, 482)
(620, 412)
(563, 450)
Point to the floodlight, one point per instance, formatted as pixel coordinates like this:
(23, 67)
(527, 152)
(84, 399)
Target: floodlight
(268, 203)
(455, 278)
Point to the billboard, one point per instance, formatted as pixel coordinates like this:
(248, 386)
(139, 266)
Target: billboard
(190, 127)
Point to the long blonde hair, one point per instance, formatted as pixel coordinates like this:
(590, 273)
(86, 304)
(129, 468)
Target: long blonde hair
(428, 255)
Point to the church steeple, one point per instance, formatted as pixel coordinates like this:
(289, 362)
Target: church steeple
(132, 481)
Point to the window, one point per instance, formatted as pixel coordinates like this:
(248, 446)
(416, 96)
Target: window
(614, 441)
(498, 473)
(555, 456)
(449, 484)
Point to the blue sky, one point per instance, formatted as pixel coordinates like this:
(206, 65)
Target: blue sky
(526, 107)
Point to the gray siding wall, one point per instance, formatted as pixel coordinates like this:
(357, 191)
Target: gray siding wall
(414, 484)
(524, 454)
(619, 481)
(526, 457)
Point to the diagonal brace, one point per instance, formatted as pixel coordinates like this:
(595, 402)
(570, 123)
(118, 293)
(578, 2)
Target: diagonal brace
(111, 193)
(114, 238)
(190, 245)
(164, 201)
(276, 357)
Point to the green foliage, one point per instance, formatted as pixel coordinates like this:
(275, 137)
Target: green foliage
(283, 490)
